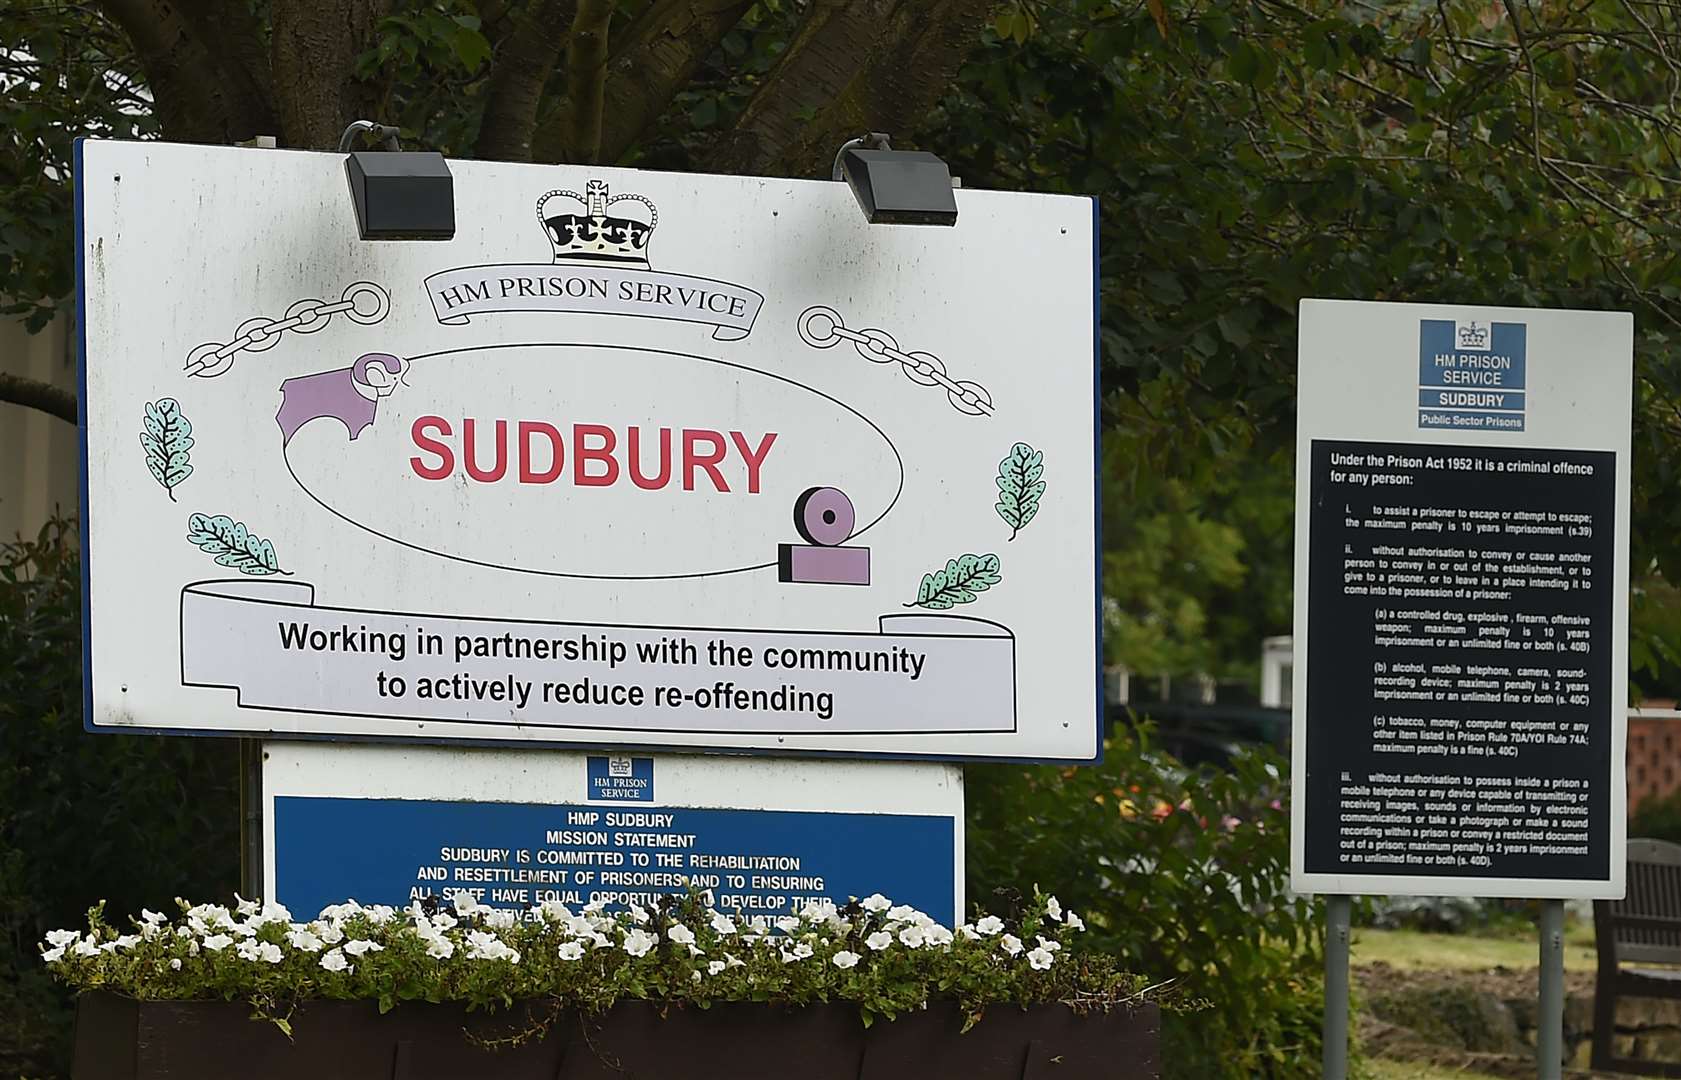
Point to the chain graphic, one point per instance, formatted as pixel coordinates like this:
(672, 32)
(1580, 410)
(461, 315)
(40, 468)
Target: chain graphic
(364, 302)
(821, 327)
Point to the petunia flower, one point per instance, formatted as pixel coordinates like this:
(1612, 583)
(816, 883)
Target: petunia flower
(637, 942)
(879, 940)
(845, 959)
(571, 950)
(989, 925)
(722, 924)
(360, 946)
(876, 902)
(334, 961)
(1010, 944)
(217, 942)
(681, 934)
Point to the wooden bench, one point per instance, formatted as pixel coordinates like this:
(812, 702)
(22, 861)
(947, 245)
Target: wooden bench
(1643, 929)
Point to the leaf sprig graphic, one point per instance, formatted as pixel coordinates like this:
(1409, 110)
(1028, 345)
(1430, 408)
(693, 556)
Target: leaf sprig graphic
(1019, 486)
(958, 583)
(168, 440)
(233, 544)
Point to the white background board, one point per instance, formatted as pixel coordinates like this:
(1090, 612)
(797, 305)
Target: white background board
(1435, 724)
(728, 332)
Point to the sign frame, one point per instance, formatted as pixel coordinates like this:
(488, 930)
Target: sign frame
(649, 741)
(1580, 369)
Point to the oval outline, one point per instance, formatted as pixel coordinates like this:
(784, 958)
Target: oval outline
(897, 494)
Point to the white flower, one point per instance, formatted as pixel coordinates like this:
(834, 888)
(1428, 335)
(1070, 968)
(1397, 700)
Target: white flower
(175, 964)
(151, 923)
(879, 940)
(378, 913)
(913, 936)
(1011, 944)
(328, 932)
(638, 942)
(443, 920)
(217, 942)
(694, 976)
(601, 940)
(638, 914)
(440, 948)
(802, 951)
(968, 932)
(360, 946)
(267, 952)
(554, 911)
(937, 935)
(500, 918)
(715, 967)
(571, 950)
(465, 903)
(788, 924)
(876, 902)
(1053, 907)
(594, 906)
(990, 925)
(60, 938)
(1074, 920)
(483, 945)
(901, 913)
(696, 950)
(304, 941)
(271, 913)
(844, 959)
(722, 924)
(681, 934)
(335, 961)
(246, 908)
(53, 956)
(1040, 959)
(1049, 946)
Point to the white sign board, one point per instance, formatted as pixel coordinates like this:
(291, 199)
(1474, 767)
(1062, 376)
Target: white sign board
(1461, 652)
(512, 829)
(637, 459)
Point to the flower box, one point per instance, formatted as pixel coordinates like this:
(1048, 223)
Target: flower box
(121, 1038)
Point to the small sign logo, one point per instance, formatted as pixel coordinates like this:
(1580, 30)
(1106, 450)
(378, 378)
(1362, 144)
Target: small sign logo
(619, 778)
(1471, 336)
(618, 765)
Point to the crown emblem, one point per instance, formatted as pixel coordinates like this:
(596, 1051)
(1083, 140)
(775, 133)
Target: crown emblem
(1470, 336)
(596, 228)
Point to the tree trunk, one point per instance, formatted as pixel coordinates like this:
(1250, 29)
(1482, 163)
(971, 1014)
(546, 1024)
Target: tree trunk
(315, 46)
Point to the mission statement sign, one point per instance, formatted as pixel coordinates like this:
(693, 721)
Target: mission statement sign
(1461, 602)
(637, 459)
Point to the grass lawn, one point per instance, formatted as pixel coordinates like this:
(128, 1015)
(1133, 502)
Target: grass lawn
(1411, 950)
(1406, 1070)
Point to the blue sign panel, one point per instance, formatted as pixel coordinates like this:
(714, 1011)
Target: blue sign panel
(620, 778)
(767, 862)
(1471, 375)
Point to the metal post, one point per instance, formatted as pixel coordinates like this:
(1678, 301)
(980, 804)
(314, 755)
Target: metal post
(1549, 1020)
(1336, 987)
(250, 818)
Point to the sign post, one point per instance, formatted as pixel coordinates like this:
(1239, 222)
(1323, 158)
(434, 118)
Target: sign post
(1462, 501)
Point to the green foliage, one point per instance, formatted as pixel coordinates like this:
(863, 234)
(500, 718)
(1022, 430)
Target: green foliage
(957, 582)
(234, 546)
(168, 440)
(887, 960)
(134, 819)
(1020, 486)
(1178, 873)
(1246, 156)
(1657, 818)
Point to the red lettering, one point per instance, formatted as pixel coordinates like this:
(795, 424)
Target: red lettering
(709, 462)
(470, 452)
(557, 452)
(753, 458)
(583, 454)
(634, 456)
(446, 456)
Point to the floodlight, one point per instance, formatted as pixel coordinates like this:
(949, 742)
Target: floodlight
(398, 194)
(896, 187)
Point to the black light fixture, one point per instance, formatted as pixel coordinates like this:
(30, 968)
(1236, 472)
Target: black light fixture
(399, 194)
(896, 187)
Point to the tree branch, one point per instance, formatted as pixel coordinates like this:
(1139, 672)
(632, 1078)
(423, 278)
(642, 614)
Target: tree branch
(202, 90)
(586, 78)
(35, 394)
(523, 64)
(655, 59)
(852, 66)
